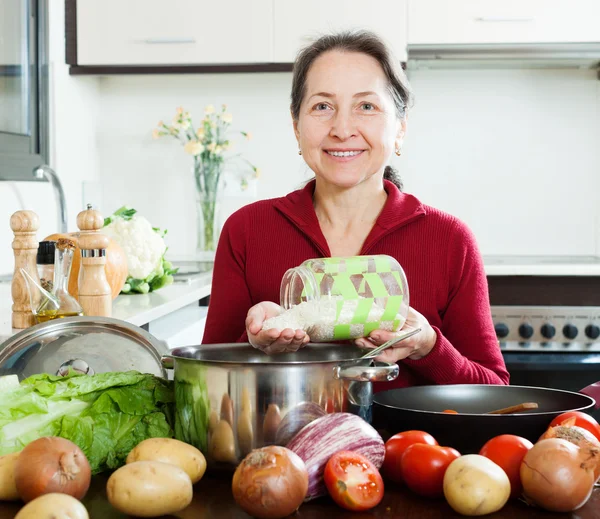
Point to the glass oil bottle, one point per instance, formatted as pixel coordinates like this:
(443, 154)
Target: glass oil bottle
(58, 303)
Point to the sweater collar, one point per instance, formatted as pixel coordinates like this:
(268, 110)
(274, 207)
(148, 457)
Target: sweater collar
(399, 209)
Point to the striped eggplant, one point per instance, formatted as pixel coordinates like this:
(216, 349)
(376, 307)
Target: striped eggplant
(325, 436)
(296, 419)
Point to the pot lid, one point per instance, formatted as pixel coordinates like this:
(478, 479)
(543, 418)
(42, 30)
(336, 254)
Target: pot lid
(87, 344)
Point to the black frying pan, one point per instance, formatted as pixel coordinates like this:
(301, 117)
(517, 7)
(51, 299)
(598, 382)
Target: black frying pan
(421, 408)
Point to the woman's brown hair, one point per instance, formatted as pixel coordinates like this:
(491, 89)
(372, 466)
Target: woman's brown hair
(364, 42)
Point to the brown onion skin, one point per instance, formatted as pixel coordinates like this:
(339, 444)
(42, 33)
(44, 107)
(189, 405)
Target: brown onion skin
(52, 464)
(270, 483)
(571, 433)
(576, 435)
(558, 476)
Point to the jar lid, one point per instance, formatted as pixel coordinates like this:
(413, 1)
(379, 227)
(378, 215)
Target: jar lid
(45, 253)
(86, 344)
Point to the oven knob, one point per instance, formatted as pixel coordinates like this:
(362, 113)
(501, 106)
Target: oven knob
(592, 331)
(548, 331)
(526, 331)
(570, 331)
(501, 330)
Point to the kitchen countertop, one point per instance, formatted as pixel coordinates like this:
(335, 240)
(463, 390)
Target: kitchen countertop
(213, 499)
(138, 309)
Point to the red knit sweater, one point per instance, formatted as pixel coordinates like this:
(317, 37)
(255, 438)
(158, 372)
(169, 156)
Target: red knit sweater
(438, 253)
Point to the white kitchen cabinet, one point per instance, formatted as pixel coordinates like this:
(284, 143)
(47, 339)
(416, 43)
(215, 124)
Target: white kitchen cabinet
(503, 21)
(296, 24)
(157, 32)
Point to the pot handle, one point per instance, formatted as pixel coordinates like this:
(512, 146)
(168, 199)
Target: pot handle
(593, 391)
(167, 361)
(378, 372)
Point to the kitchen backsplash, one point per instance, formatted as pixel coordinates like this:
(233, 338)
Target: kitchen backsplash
(497, 148)
(512, 152)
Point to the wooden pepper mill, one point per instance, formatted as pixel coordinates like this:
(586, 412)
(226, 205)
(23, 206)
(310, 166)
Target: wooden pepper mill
(95, 295)
(24, 225)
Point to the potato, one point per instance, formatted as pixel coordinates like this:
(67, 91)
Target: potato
(222, 443)
(245, 433)
(227, 409)
(149, 489)
(53, 506)
(8, 489)
(271, 423)
(175, 452)
(213, 421)
(475, 485)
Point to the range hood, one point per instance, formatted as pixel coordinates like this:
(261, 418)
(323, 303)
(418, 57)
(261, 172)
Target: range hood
(498, 55)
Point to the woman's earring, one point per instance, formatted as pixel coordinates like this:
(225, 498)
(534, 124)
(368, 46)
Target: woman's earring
(299, 152)
(398, 151)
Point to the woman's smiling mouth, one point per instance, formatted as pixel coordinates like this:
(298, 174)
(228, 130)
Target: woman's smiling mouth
(343, 155)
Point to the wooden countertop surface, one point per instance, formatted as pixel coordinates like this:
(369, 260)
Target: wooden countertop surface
(213, 499)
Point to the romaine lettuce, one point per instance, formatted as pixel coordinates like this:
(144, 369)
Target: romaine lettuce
(106, 414)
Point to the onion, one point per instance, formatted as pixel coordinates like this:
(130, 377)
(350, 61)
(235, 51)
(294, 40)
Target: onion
(567, 430)
(559, 476)
(574, 434)
(49, 465)
(270, 483)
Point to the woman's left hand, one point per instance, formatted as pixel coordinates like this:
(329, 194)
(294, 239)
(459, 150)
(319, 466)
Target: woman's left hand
(415, 347)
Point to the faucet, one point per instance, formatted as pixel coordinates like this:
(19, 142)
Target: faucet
(50, 175)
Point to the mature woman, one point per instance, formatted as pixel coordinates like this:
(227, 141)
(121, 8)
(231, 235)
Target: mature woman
(349, 108)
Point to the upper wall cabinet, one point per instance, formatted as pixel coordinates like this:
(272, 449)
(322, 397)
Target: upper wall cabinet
(503, 21)
(296, 23)
(159, 32)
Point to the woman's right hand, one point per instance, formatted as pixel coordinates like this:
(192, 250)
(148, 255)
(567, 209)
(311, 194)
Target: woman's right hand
(273, 340)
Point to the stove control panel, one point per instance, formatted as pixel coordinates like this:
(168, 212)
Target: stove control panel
(547, 328)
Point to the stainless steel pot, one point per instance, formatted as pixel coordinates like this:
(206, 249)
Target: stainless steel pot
(232, 398)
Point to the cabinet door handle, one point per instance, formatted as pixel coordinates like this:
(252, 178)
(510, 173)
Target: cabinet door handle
(168, 41)
(501, 19)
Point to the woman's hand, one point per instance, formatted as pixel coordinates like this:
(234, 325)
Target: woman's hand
(415, 347)
(273, 340)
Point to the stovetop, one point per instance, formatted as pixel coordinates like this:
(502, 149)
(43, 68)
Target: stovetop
(552, 329)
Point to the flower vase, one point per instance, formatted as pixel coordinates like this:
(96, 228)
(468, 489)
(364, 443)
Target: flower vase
(207, 208)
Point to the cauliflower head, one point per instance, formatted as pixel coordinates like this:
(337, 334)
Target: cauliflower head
(145, 249)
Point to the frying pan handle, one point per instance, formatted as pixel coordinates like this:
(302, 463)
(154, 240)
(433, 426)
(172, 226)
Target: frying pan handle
(593, 391)
(378, 372)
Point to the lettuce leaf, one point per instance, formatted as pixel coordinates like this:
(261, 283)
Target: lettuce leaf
(106, 414)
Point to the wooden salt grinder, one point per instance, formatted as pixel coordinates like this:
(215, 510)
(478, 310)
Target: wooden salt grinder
(95, 295)
(24, 225)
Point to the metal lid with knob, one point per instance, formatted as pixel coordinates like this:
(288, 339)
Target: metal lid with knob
(86, 344)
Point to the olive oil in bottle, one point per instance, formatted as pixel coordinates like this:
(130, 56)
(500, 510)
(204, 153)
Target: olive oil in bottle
(59, 303)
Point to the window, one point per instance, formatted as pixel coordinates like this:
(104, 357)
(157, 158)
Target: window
(23, 88)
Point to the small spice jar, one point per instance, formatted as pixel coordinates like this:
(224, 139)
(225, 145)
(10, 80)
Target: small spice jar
(343, 298)
(45, 264)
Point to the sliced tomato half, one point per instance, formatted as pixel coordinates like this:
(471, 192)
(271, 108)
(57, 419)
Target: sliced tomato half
(353, 482)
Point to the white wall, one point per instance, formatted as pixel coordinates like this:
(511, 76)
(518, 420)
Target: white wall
(155, 176)
(513, 152)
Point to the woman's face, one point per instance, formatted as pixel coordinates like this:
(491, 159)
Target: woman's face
(348, 126)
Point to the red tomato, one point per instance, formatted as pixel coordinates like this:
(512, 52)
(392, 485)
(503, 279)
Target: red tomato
(423, 467)
(353, 481)
(395, 447)
(508, 452)
(581, 420)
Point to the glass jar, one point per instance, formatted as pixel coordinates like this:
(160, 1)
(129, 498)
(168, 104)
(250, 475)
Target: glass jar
(346, 297)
